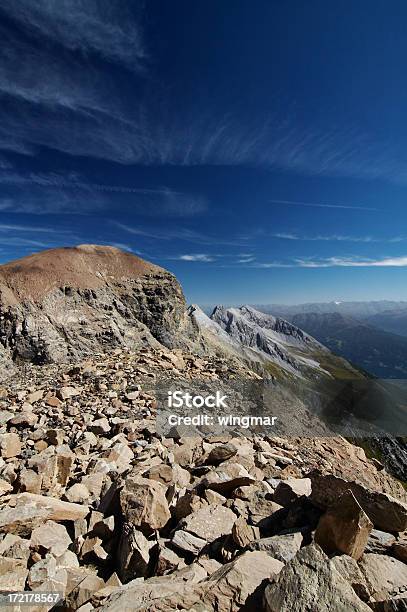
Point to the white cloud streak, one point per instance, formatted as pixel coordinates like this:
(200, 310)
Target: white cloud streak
(339, 262)
(321, 205)
(8, 227)
(200, 257)
(335, 238)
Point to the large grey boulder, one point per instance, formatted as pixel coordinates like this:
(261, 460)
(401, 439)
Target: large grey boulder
(311, 582)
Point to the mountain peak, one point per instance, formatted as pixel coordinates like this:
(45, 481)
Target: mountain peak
(84, 267)
(63, 303)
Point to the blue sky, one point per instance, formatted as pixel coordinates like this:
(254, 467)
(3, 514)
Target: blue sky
(258, 150)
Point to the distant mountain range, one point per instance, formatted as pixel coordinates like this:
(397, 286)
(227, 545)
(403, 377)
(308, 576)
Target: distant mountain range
(378, 352)
(284, 349)
(359, 310)
(394, 321)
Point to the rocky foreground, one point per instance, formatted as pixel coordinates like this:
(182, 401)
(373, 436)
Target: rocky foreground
(94, 504)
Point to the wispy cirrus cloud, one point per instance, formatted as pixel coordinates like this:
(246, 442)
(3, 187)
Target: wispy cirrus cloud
(336, 238)
(179, 233)
(9, 241)
(13, 227)
(386, 262)
(89, 26)
(321, 205)
(65, 96)
(335, 262)
(57, 193)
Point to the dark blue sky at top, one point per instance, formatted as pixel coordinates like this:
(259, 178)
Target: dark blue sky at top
(258, 150)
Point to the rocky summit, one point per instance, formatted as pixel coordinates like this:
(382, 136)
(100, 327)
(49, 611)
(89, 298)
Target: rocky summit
(97, 506)
(61, 304)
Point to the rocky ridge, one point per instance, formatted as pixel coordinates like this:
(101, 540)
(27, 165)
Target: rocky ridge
(284, 349)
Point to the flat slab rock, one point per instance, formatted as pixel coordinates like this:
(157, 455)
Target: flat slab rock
(26, 511)
(281, 547)
(210, 522)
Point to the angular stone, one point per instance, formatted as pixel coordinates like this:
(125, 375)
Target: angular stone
(143, 503)
(221, 453)
(281, 547)
(5, 487)
(14, 547)
(243, 533)
(83, 591)
(164, 593)
(235, 586)
(46, 575)
(349, 569)
(54, 465)
(52, 537)
(379, 542)
(13, 574)
(28, 510)
(29, 481)
(261, 509)
(188, 542)
(121, 455)
(238, 585)
(133, 554)
(78, 493)
(36, 396)
(384, 575)
(344, 528)
(399, 550)
(289, 490)
(212, 497)
(385, 512)
(24, 419)
(67, 559)
(53, 401)
(132, 395)
(310, 582)
(209, 523)
(65, 393)
(114, 580)
(100, 426)
(103, 527)
(162, 473)
(226, 478)
(167, 561)
(10, 445)
(92, 550)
